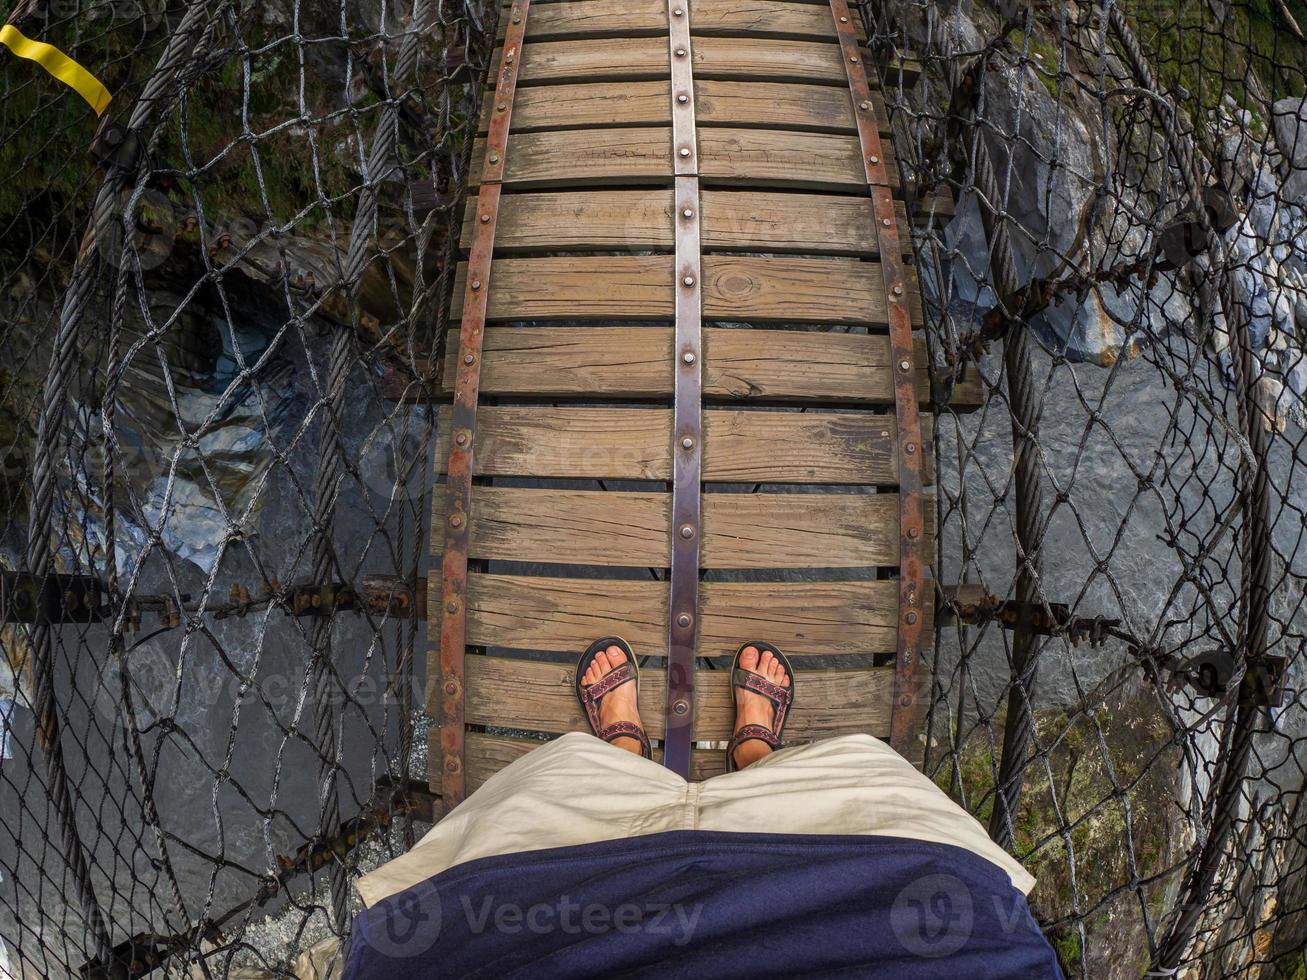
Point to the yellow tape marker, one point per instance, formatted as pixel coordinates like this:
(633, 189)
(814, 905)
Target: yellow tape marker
(59, 65)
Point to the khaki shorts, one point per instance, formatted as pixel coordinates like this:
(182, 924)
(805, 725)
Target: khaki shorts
(579, 790)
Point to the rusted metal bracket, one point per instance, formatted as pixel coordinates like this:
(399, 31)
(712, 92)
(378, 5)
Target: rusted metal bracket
(51, 600)
(1209, 674)
(467, 390)
(1038, 618)
(687, 412)
(905, 720)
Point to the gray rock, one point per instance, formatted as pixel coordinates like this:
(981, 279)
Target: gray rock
(1289, 122)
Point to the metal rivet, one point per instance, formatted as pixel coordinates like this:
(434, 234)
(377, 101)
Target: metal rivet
(501, 107)
(687, 531)
(687, 443)
(688, 280)
(683, 620)
(451, 765)
(885, 222)
(494, 158)
(844, 20)
(681, 707)
(451, 688)
(910, 618)
(461, 439)
(680, 52)
(687, 214)
(456, 520)
(873, 160)
(685, 151)
(864, 105)
(853, 58)
(905, 701)
(682, 98)
(469, 358)
(476, 283)
(913, 533)
(452, 607)
(905, 365)
(485, 218)
(677, 12)
(517, 20)
(898, 289)
(910, 448)
(688, 357)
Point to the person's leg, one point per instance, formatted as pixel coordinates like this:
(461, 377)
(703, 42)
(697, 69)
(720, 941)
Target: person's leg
(754, 710)
(621, 704)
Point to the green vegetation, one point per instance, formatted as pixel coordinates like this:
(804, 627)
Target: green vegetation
(1082, 818)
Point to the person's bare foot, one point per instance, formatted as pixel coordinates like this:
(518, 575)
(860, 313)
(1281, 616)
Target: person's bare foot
(754, 709)
(619, 704)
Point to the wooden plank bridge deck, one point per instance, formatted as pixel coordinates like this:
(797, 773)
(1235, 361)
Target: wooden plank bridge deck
(674, 301)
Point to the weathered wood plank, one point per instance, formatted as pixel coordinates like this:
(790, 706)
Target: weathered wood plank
(634, 444)
(578, 157)
(753, 364)
(771, 105)
(727, 157)
(750, 221)
(528, 612)
(642, 18)
(535, 696)
(632, 529)
(757, 289)
(647, 59)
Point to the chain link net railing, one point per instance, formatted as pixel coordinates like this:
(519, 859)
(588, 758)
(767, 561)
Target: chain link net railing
(1115, 245)
(219, 309)
(219, 313)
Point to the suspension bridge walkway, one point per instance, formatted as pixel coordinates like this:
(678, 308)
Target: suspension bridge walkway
(683, 398)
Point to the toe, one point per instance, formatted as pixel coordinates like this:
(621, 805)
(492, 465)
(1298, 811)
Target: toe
(600, 665)
(766, 663)
(616, 656)
(749, 658)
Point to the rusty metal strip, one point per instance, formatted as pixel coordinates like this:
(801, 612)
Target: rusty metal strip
(687, 426)
(467, 390)
(905, 720)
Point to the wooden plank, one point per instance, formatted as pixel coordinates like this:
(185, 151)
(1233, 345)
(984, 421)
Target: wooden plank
(536, 696)
(642, 18)
(756, 289)
(727, 157)
(631, 529)
(487, 754)
(739, 364)
(529, 612)
(750, 221)
(634, 444)
(766, 157)
(771, 105)
(577, 157)
(647, 59)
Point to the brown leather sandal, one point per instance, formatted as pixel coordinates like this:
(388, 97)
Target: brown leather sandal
(590, 697)
(780, 697)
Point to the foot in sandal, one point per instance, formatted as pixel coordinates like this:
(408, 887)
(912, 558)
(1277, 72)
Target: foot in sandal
(762, 679)
(608, 687)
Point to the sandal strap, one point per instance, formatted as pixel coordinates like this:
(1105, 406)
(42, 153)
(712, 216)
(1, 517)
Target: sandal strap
(615, 678)
(779, 696)
(627, 729)
(749, 733)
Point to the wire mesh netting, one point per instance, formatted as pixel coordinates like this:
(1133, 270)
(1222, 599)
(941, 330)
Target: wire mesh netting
(1115, 248)
(219, 310)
